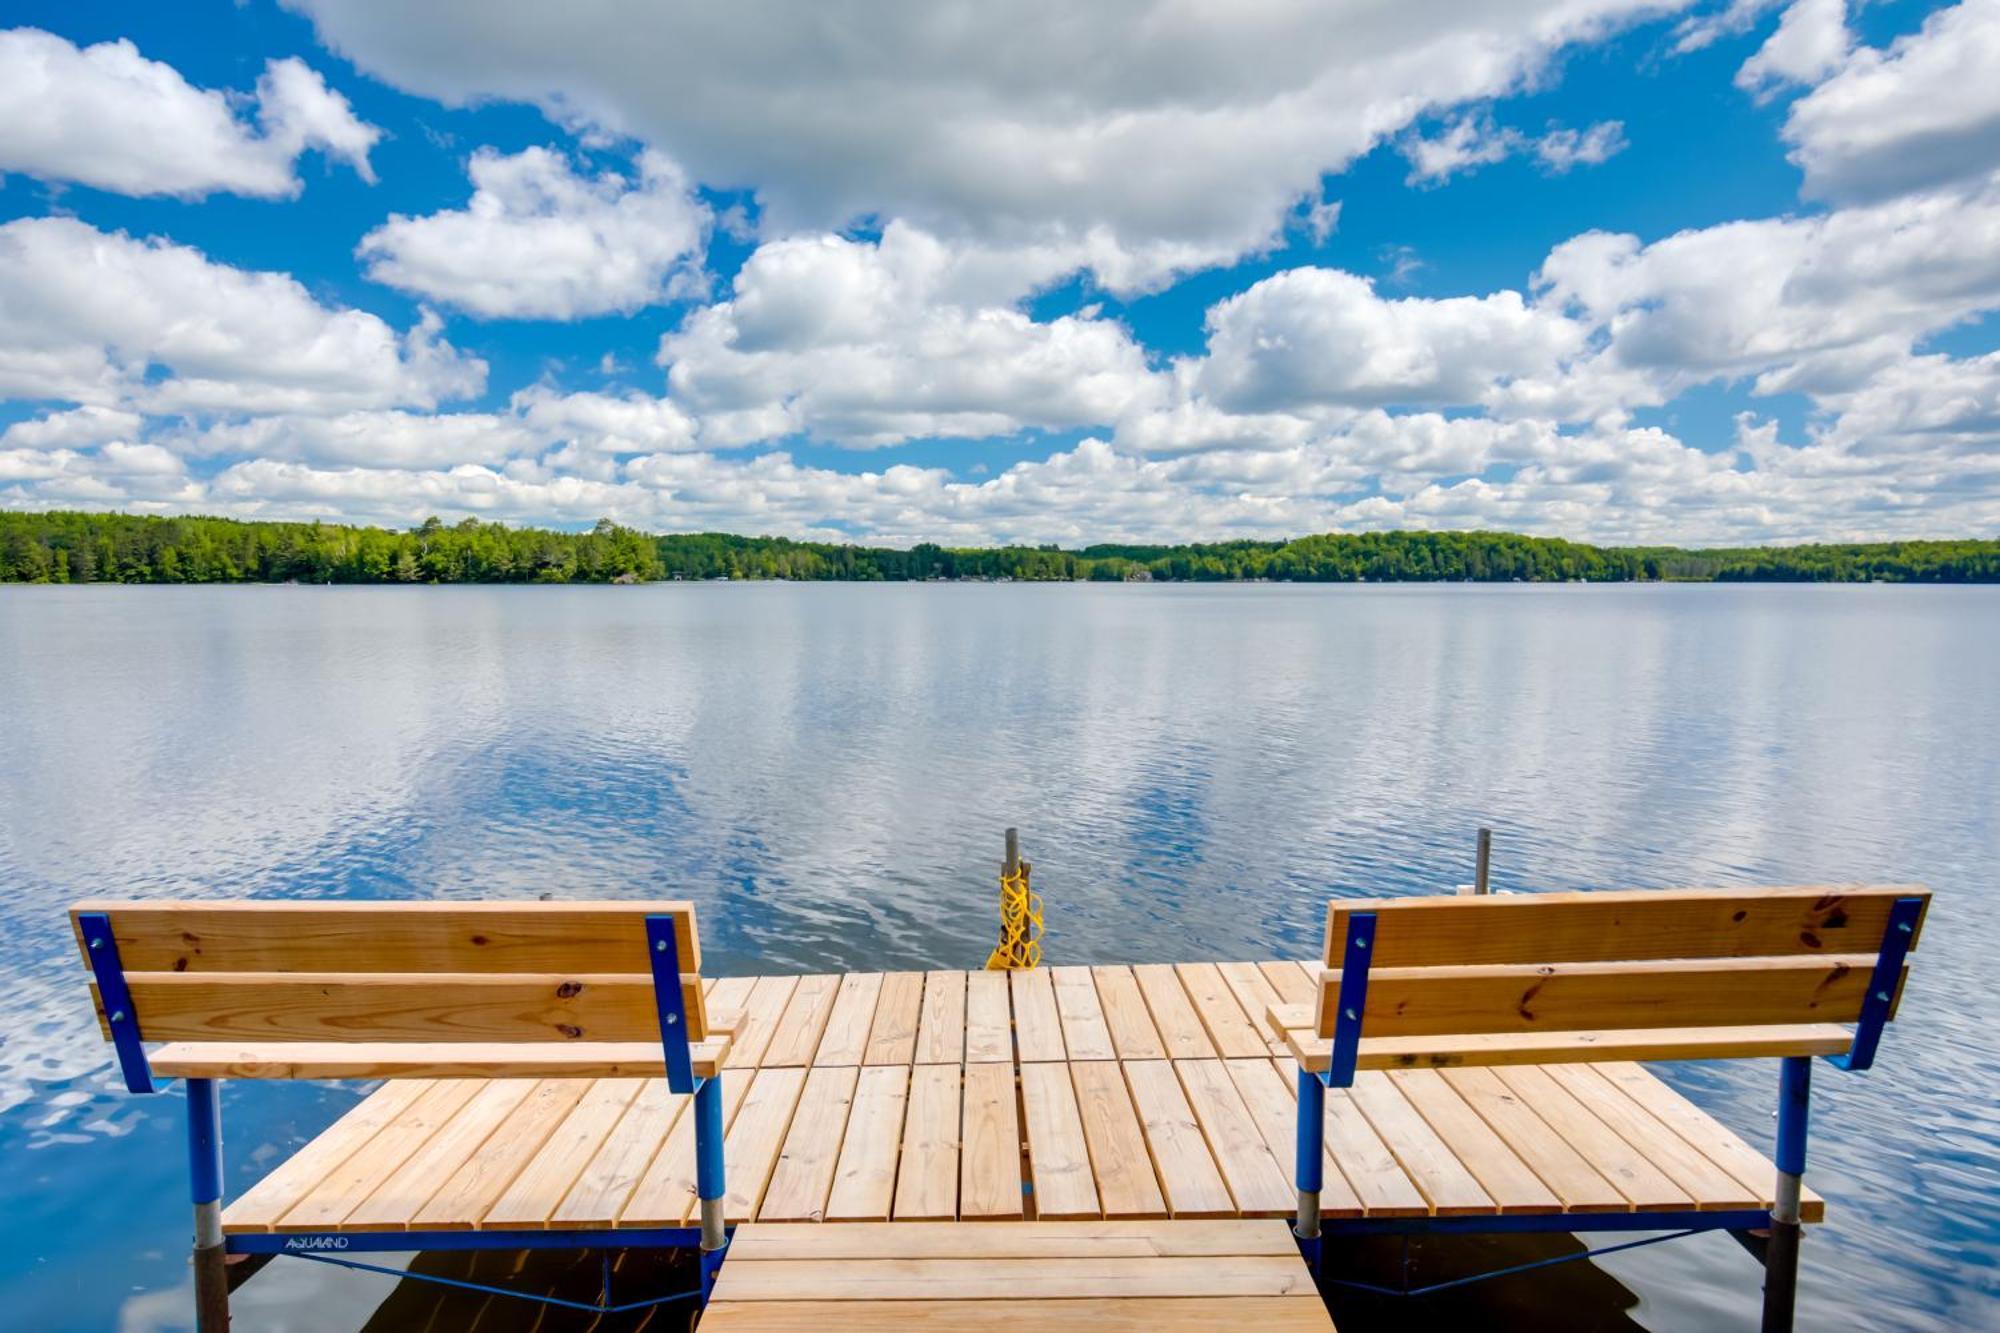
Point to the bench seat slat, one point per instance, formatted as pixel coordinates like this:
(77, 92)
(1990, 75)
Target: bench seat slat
(264, 935)
(294, 1006)
(373, 1060)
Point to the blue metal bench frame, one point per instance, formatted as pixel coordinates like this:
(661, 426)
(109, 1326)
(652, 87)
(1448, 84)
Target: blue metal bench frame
(204, 1143)
(1780, 1252)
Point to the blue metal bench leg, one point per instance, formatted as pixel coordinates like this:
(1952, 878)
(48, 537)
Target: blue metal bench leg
(1781, 1254)
(709, 1178)
(211, 1273)
(1310, 1166)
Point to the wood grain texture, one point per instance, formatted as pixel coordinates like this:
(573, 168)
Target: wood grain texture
(1573, 997)
(941, 1022)
(1133, 1036)
(845, 1040)
(1173, 1014)
(1058, 1156)
(927, 1176)
(893, 1038)
(436, 1007)
(1086, 1035)
(465, 1198)
(265, 1202)
(1612, 925)
(379, 936)
(1037, 1026)
(1123, 1314)
(1260, 1186)
(1186, 1169)
(796, 1036)
(989, 1162)
(864, 1180)
(429, 1060)
(989, 1018)
(1121, 1166)
(804, 1175)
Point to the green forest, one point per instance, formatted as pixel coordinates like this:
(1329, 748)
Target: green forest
(64, 547)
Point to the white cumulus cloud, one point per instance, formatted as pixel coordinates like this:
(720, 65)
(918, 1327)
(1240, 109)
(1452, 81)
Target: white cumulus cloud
(541, 241)
(107, 320)
(108, 117)
(1139, 137)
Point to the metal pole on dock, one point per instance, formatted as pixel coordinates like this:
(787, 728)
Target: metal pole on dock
(211, 1274)
(1485, 862)
(1012, 864)
(1781, 1253)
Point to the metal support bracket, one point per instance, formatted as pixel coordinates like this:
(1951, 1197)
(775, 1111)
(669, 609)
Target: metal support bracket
(664, 950)
(101, 946)
(1353, 1002)
(1888, 975)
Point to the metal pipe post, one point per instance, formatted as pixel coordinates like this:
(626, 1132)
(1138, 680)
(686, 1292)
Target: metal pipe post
(1484, 862)
(1309, 1169)
(1012, 864)
(708, 1174)
(211, 1272)
(1781, 1254)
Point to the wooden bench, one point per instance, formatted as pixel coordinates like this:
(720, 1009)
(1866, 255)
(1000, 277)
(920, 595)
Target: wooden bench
(396, 990)
(1696, 974)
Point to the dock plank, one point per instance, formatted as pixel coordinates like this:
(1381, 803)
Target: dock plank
(1086, 1035)
(989, 1018)
(1009, 1280)
(750, 1149)
(1357, 1154)
(469, 1192)
(1274, 1107)
(667, 1195)
(539, 1189)
(1447, 1186)
(1644, 1185)
(1134, 1239)
(1228, 1027)
(1708, 1136)
(1254, 994)
(796, 1037)
(425, 1173)
(614, 1171)
(1058, 1155)
(1172, 1012)
(1121, 1314)
(762, 1009)
(344, 1188)
(1507, 1180)
(927, 1176)
(1256, 1181)
(804, 1175)
(893, 1038)
(941, 1022)
(1708, 1184)
(269, 1199)
(1558, 1165)
(1293, 983)
(864, 1180)
(990, 1151)
(1133, 1036)
(845, 1040)
(1187, 1172)
(1122, 1167)
(1037, 1026)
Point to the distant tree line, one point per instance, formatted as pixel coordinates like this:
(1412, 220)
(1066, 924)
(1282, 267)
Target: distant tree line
(64, 547)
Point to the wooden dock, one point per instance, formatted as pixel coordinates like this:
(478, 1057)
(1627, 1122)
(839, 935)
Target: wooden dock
(1062, 1094)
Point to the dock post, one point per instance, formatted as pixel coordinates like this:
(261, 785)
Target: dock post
(1309, 1169)
(709, 1177)
(211, 1274)
(1781, 1254)
(1484, 863)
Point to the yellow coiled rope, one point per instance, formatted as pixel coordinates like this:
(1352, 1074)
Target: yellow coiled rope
(1020, 924)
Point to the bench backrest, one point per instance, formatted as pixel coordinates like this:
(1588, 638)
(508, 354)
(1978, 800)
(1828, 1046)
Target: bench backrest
(1601, 961)
(390, 972)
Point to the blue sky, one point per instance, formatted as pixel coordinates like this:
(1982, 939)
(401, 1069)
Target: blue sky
(1612, 269)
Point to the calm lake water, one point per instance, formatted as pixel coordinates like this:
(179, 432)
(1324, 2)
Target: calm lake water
(827, 770)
